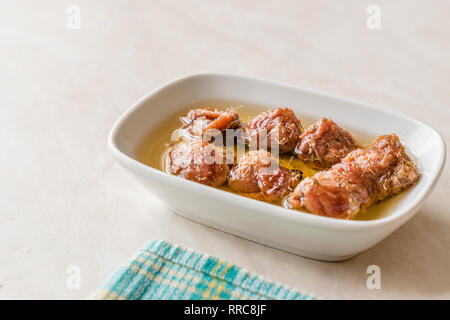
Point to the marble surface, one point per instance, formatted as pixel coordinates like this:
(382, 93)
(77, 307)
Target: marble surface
(64, 201)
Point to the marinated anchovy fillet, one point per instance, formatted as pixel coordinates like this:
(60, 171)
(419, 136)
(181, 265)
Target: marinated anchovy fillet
(197, 121)
(198, 161)
(257, 171)
(280, 125)
(325, 143)
(363, 177)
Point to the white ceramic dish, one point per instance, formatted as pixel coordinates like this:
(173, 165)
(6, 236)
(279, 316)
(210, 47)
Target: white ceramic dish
(300, 233)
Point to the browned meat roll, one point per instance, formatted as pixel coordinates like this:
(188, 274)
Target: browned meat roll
(325, 143)
(280, 126)
(363, 177)
(197, 121)
(257, 171)
(199, 161)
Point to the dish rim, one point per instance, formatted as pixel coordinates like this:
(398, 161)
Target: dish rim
(278, 211)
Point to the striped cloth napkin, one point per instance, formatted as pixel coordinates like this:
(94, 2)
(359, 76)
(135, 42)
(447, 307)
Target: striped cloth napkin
(161, 270)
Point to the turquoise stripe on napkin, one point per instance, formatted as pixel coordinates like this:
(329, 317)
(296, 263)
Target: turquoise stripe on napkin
(161, 270)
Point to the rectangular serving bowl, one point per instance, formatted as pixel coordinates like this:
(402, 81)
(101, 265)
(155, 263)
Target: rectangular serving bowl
(293, 231)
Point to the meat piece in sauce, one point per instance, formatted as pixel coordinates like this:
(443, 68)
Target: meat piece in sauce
(325, 143)
(280, 126)
(197, 121)
(199, 161)
(257, 171)
(363, 177)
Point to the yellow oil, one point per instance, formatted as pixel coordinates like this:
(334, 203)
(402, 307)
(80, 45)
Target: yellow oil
(154, 147)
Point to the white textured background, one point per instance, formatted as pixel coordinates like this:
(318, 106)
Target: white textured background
(64, 201)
